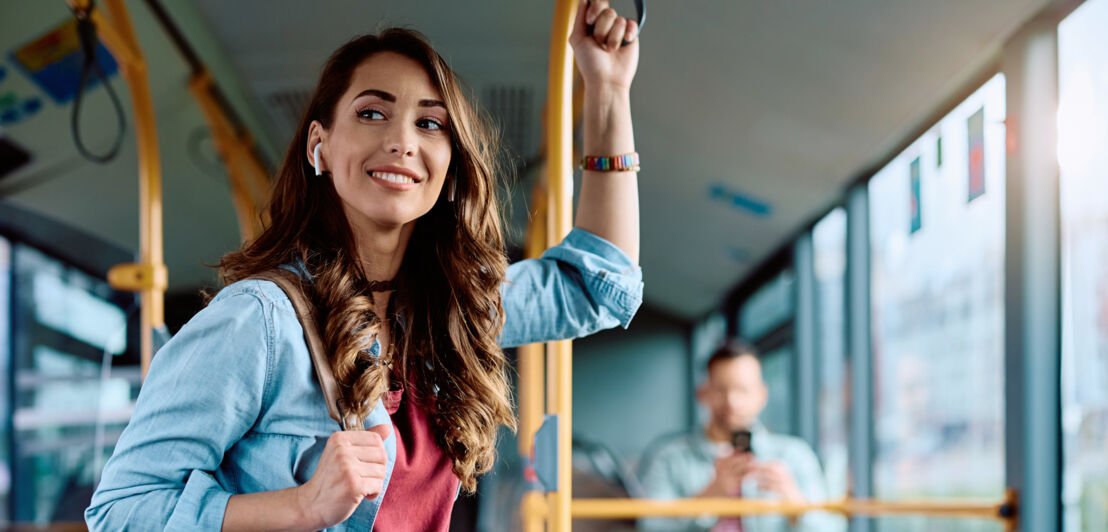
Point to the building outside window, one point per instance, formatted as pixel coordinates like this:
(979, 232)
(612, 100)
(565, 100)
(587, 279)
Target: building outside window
(937, 263)
(765, 320)
(829, 246)
(67, 411)
(1083, 163)
(5, 368)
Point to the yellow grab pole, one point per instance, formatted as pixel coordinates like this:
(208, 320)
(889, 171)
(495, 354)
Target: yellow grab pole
(559, 149)
(247, 175)
(149, 277)
(531, 357)
(533, 511)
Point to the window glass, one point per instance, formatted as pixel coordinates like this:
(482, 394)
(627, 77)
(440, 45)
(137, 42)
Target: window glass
(69, 407)
(5, 365)
(937, 263)
(777, 371)
(1082, 137)
(768, 308)
(829, 247)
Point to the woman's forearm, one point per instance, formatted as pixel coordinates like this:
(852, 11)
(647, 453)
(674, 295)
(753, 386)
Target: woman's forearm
(267, 510)
(608, 205)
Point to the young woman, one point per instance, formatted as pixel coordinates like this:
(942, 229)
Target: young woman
(386, 208)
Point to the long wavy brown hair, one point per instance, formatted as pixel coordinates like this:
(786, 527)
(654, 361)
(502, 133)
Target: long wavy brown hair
(446, 316)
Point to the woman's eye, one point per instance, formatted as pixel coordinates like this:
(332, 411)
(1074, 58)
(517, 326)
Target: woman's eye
(427, 123)
(371, 114)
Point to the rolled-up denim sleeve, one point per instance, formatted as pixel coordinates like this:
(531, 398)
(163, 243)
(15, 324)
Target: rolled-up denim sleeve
(204, 390)
(583, 285)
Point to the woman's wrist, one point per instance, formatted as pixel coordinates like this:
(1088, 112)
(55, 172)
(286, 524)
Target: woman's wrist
(303, 514)
(607, 122)
(607, 89)
(607, 96)
(284, 509)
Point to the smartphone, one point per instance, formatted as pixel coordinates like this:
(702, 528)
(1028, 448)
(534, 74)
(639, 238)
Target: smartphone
(740, 440)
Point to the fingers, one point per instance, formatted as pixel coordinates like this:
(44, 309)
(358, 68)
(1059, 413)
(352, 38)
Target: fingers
(734, 466)
(382, 430)
(632, 31)
(615, 34)
(376, 435)
(738, 458)
(372, 486)
(580, 27)
(609, 30)
(361, 457)
(595, 9)
(603, 26)
(362, 446)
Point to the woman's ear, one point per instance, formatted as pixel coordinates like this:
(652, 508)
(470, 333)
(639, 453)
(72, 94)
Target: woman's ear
(315, 138)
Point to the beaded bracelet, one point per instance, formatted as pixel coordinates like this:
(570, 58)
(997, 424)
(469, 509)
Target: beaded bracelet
(628, 162)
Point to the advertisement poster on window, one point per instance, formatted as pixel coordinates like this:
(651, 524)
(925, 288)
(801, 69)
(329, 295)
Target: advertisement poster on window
(917, 219)
(976, 126)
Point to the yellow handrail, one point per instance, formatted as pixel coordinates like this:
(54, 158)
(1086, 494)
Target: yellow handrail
(149, 276)
(1004, 511)
(559, 150)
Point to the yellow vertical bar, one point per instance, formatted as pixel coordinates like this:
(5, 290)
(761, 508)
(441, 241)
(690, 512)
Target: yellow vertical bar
(150, 177)
(531, 356)
(530, 418)
(559, 151)
(531, 360)
(243, 170)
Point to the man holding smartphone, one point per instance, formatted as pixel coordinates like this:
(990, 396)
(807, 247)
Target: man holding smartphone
(736, 456)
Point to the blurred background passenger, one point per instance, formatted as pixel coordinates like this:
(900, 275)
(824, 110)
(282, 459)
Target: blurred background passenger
(736, 456)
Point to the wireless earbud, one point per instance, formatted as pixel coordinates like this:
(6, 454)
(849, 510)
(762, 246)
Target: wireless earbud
(318, 170)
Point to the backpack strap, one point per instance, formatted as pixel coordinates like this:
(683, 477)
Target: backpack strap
(291, 284)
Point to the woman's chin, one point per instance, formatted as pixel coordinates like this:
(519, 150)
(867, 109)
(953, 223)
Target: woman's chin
(391, 218)
(384, 214)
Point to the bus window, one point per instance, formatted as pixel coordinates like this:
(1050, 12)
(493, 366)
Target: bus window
(1082, 135)
(829, 245)
(937, 244)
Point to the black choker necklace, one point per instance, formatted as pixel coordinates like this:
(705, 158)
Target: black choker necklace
(382, 286)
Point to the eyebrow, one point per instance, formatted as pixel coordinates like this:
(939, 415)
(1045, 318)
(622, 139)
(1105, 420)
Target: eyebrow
(388, 97)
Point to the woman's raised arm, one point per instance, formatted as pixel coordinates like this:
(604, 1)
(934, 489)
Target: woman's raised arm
(608, 205)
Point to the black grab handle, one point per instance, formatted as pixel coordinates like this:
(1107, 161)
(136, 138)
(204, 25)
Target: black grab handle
(640, 7)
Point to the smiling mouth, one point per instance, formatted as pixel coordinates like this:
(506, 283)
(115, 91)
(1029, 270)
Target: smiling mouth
(393, 178)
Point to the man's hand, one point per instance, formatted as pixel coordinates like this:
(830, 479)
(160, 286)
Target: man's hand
(730, 472)
(775, 477)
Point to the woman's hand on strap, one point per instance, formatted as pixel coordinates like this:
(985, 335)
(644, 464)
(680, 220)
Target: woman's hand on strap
(608, 205)
(351, 469)
(601, 57)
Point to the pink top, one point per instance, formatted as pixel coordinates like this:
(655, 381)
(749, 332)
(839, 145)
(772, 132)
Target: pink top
(421, 490)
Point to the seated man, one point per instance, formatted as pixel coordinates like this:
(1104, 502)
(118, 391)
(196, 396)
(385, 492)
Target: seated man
(707, 463)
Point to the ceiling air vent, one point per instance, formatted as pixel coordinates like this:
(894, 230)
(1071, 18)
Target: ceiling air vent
(285, 107)
(512, 108)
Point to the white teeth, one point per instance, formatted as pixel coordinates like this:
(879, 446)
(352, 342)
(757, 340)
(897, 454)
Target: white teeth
(395, 178)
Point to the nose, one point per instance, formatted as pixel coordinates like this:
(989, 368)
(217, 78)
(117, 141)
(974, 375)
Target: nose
(401, 141)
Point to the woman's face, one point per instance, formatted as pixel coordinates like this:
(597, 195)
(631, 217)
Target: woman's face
(388, 149)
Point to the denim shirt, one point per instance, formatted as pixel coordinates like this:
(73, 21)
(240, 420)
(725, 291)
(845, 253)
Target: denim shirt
(231, 404)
